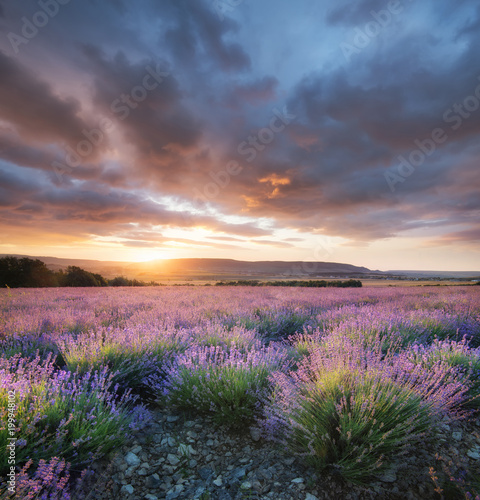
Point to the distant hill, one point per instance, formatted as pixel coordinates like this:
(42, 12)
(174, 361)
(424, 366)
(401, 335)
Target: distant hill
(209, 269)
(275, 267)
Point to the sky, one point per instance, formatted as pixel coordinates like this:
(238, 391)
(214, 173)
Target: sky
(314, 130)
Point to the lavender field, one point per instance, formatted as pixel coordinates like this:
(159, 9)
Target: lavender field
(347, 380)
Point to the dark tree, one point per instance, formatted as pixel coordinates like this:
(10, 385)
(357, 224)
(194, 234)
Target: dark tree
(120, 281)
(24, 272)
(76, 276)
(123, 281)
(101, 280)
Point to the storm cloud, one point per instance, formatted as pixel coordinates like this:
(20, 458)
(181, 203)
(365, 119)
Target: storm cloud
(243, 123)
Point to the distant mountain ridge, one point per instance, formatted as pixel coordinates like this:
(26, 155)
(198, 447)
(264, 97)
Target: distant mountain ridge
(277, 267)
(199, 268)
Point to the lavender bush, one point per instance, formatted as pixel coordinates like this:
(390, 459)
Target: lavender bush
(227, 383)
(350, 421)
(48, 482)
(456, 355)
(128, 364)
(77, 418)
(350, 408)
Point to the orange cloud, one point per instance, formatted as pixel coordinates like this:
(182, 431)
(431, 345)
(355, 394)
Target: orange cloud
(251, 202)
(276, 180)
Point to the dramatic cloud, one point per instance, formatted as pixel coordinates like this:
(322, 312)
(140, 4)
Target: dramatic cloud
(262, 126)
(33, 109)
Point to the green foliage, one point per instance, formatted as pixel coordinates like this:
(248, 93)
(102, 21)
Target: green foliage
(458, 355)
(77, 277)
(303, 344)
(130, 363)
(351, 421)
(24, 272)
(274, 324)
(226, 384)
(120, 281)
(28, 273)
(100, 279)
(125, 365)
(75, 418)
(224, 390)
(437, 330)
(239, 283)
(123, 281)
(32, 348)
(298, 283)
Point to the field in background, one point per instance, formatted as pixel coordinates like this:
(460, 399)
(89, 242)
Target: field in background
(414, 282)
(369, 282)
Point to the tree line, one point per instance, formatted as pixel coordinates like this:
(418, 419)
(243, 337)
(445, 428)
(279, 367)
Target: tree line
(306, 284)
(24, 272)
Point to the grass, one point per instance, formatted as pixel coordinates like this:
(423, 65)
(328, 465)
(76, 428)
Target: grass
(131, 362)
(60, 414)
(228, 384)
(351, 422)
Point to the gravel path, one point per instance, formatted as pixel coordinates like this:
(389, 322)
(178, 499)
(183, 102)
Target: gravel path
(176, 458)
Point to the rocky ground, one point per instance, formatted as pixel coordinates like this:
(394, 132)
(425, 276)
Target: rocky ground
(180, 458)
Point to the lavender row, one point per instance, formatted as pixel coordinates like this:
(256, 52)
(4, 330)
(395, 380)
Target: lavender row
(342, 378)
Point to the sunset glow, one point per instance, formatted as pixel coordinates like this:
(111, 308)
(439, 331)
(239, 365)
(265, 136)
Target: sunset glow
(261, 130)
